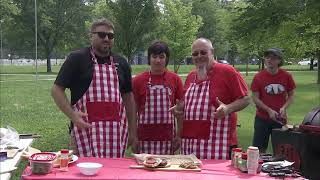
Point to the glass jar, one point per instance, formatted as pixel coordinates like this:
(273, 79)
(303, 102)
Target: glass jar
(242, 164)
(64, 160)
(237, 156)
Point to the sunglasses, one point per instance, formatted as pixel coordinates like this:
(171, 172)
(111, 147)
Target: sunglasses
(202, 53)
(103, 35)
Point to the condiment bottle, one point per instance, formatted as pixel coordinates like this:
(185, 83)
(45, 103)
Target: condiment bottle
(260, 166)
(64, 160)
(232, 156)
(237, 156)
(243, 163)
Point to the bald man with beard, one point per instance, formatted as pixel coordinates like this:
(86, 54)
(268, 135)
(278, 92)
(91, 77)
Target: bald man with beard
(213, 94)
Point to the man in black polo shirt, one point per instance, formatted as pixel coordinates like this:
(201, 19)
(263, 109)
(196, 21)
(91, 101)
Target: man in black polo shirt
(100, 84)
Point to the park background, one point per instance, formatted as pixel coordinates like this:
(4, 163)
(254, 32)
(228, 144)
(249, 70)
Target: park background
(32, 53)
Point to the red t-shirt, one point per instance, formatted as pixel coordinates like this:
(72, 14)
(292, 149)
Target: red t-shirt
(170, 79)
(273, 89)
(228, 85)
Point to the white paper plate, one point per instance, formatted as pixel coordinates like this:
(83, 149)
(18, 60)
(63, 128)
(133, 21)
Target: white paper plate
(74, 159)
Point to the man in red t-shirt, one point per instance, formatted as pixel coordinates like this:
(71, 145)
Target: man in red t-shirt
(272, 92)
(213, 93)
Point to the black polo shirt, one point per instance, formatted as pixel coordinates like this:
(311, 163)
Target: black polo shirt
(76, 73)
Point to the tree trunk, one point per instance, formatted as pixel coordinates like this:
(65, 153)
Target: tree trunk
(311, 64)
(174, 64)
(129, 54)
(49, 64)
(48, 51)
(176, 69)
(129, 58)
(247, 67)
(318, 53)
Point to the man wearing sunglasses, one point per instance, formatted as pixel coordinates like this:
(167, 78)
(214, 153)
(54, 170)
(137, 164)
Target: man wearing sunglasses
(213, 93)
(272, 92)
(100, 84)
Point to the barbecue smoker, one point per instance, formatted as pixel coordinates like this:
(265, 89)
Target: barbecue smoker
(311, 122)
(301, 144)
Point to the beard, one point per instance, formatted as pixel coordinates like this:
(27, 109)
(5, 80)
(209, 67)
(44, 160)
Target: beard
(102, 48)
(202, 72)
(104, 51)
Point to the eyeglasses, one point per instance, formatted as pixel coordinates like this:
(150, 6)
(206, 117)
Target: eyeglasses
(202, 53)
(103, 35)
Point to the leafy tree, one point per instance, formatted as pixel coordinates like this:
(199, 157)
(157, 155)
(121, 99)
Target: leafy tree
(280, 22)
(217, 18)
(179, 28)
(207, 9)
(59, 21)
(135, 22)
(7, 9)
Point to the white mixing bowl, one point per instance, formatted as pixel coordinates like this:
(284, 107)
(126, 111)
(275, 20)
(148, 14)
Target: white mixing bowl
(89, 168)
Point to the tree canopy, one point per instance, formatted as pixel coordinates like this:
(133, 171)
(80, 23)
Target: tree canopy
(239, 30)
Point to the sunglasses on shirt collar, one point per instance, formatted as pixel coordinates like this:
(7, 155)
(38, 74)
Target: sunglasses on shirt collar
(103, 35)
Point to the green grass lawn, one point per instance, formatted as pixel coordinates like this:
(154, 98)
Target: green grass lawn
(26, 105)
(9, 69)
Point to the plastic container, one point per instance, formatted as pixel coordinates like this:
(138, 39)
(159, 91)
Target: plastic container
(42, 163)
(64, 160)
(253, 158)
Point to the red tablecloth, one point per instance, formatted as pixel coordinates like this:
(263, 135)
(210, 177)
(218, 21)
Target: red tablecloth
(119, 169)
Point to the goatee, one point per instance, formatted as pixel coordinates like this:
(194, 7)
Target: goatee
(202, 72)
(104, 51)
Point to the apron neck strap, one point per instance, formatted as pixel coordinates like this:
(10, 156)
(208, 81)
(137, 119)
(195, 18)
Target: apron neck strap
(94, 57)
(149, 80)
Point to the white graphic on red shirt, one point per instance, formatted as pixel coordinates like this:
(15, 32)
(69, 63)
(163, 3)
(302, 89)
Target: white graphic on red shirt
(274, 89)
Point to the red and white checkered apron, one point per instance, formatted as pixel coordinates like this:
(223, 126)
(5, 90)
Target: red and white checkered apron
(103, 103)
(202, 134)
(156, 123)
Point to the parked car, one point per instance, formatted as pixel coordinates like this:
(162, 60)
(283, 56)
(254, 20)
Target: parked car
(223, 61)
(308, 62)
(254, 61)
(304, 62)
(288, 62)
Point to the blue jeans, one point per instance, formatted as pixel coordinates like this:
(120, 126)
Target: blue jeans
(262, 131)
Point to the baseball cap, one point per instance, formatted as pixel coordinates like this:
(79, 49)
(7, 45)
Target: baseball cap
(275, 51)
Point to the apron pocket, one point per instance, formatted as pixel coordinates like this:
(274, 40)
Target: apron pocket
(196, 129)
(155, 132)
(103, 111)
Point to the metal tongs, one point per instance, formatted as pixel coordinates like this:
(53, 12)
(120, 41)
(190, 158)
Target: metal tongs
(29, 136)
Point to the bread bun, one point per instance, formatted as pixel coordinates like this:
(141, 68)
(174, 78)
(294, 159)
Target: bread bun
(152, 162)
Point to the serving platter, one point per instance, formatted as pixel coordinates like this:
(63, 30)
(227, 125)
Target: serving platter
(174, 162)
